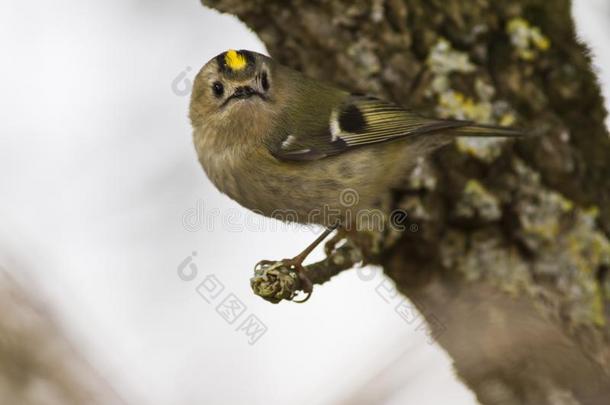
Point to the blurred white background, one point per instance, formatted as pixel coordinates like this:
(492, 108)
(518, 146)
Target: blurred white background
(97, 173)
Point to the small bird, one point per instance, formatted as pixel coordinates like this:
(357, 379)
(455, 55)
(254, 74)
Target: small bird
(296, 149)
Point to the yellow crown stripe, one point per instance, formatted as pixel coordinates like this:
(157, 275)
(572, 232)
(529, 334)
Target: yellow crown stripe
(235, 60)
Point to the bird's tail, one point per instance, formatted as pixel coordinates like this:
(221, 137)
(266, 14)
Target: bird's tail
(442, 132)
(487, 131)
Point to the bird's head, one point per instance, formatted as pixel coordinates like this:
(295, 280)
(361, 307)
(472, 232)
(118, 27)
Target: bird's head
(233, 86)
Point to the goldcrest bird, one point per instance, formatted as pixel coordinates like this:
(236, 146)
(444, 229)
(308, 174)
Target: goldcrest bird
(296, 149)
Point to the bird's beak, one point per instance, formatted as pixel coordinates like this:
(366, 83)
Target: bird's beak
(244, 92)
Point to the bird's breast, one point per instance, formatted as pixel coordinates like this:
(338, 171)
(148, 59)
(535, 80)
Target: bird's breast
(320, 192)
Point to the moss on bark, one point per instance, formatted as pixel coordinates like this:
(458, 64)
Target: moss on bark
(512, 254)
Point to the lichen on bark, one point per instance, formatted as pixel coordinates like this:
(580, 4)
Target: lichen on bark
(512, 252)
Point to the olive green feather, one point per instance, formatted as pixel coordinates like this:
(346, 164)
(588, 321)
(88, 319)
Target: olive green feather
(361, 120)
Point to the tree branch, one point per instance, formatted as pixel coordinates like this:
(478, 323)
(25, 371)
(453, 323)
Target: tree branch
(512, 252)
(38, 365)
(275, 282)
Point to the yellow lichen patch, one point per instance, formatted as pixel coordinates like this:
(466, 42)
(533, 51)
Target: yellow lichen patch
(456, 105)
(588, 249)
(474, 187)
(235, 60)
(598, 246)
(592, 212)
(598, 313)
(443, 59)
(527, 39)
(507, 119)
(569, 247)
(545, 224)
(453, 104)
(444, 63)
(477, 202)
(540, 41)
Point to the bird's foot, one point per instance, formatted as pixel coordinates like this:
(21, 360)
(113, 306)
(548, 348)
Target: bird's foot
(333, 243)
(368, 242)
(277, 280)
(296, 265)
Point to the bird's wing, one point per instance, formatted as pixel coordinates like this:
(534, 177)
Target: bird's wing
(361, 121)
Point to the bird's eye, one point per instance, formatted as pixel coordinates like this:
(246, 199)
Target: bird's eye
(218, 89)
(265, 81)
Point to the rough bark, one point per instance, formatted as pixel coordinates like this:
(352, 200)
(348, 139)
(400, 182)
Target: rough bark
(511, 254)
(37, 364)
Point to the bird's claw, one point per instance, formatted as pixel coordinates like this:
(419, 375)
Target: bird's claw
(280, 280)
(306, 284)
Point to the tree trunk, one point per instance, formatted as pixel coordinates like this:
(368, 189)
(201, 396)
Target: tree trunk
(37, 364)
(507, 254)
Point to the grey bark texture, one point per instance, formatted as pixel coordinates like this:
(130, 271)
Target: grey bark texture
(38, 365)
(507, 255)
